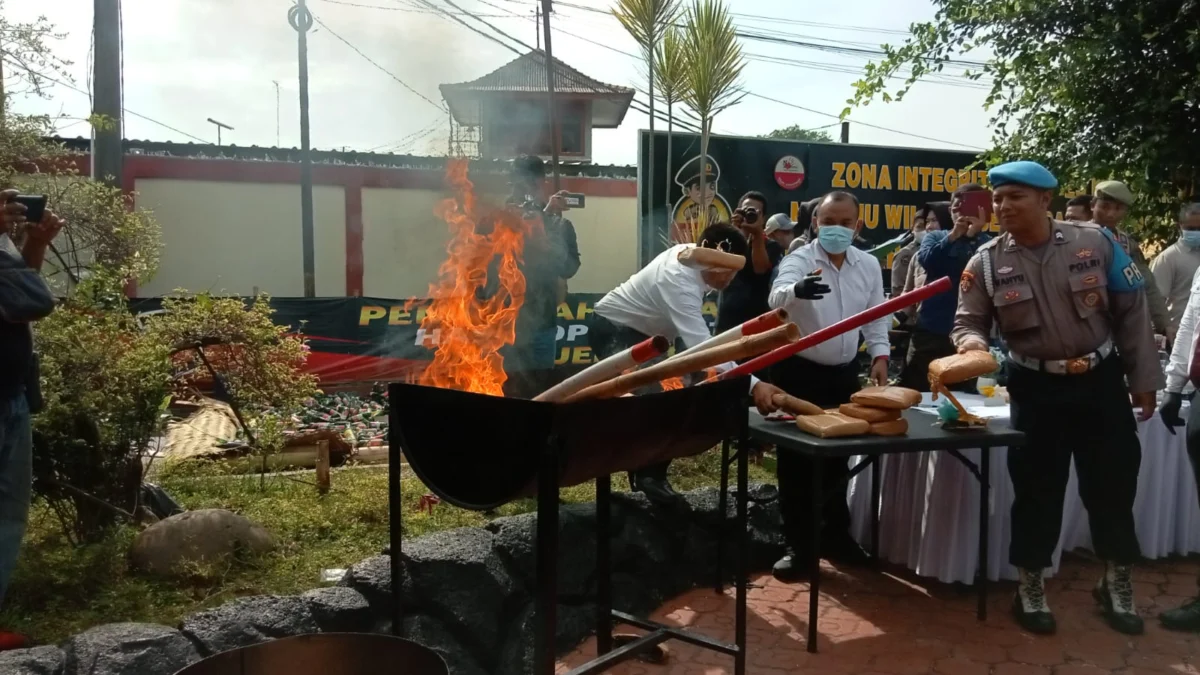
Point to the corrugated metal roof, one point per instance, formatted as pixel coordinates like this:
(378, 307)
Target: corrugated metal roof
(527, 73)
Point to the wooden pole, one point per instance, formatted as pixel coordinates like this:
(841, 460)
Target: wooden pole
(550, 68)
(323, 467)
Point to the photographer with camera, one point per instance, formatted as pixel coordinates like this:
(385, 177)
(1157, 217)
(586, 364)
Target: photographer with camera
(24, 299)
(746, 296)
(551, 257)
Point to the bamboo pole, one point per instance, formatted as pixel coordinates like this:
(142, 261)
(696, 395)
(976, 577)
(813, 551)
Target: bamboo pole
(606, 369)
(744, 348)
(759, 324)
(710, 258)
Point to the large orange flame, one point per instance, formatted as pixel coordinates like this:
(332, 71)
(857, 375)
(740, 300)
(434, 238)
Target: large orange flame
(470, 319)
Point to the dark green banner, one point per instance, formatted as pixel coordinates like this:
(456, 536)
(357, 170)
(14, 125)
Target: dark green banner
(889, 182)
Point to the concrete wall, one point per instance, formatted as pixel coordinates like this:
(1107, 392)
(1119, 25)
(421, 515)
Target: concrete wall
(232, 237)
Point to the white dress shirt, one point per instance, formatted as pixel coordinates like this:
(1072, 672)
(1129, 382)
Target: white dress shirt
(857, 286)
(1181, 351)
(664, 298)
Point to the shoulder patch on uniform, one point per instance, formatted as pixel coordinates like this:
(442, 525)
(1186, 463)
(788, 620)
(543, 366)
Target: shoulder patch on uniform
(1123, 274)
(966, 282)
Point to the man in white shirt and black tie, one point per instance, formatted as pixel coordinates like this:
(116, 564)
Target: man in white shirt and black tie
(820, 284)
(666, 298)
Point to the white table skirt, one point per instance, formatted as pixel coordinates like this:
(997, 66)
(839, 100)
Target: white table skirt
(929, 506)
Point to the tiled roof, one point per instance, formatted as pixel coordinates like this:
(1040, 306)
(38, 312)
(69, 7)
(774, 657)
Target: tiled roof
(527, 73)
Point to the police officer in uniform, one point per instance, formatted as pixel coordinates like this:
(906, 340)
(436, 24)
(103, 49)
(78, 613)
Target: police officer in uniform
(1110, 205)
(688, 178)
(1071, 305)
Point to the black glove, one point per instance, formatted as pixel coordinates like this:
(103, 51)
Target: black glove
(1169, 412)
(811, 288)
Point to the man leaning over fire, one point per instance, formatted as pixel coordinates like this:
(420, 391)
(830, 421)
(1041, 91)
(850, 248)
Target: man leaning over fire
(666, 298)
(1066, 298)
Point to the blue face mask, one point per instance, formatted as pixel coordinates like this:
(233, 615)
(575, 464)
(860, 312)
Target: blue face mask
(835, 239)
(1190, 238)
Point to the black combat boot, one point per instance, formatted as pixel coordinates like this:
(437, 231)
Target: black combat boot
(1115, 595)
(1185, 618)
(791, 567)
(1029, 605)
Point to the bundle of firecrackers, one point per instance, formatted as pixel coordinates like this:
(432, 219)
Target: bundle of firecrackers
(361, 421)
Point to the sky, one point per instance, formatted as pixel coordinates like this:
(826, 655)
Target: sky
(185, 62)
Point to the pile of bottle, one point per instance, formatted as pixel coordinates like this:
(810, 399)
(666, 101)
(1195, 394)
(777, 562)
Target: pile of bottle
(362, 421)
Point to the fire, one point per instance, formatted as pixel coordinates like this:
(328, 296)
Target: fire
(672, 383)
(471, 319)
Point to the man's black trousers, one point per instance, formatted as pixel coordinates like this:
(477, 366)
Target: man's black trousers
(1090, 417)
(827, 387)
(607, 338)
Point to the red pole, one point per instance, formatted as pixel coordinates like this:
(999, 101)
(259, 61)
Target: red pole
(844, 326)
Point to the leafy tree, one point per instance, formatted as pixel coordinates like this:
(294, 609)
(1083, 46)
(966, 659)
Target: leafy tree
(1094, 89)
(798, 133)
(714, 64)
(671, 70)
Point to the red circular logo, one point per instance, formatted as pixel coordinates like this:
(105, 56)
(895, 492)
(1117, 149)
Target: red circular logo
(789, 172)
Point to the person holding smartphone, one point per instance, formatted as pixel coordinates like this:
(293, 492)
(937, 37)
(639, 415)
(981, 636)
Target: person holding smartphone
(945, 253)
(24, 298)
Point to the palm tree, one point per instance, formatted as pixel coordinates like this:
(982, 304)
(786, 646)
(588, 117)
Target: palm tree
(646, 20)
(669, 69)
(714, 62)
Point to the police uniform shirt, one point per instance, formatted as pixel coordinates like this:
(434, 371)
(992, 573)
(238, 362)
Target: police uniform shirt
(1180, 365)
(900, 263)
(857, 286)
(1063, 302)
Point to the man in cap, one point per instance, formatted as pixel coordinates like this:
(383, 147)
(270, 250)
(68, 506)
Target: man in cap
(688, 178)
(781, 230)
(1110, 205)
(1062, 294)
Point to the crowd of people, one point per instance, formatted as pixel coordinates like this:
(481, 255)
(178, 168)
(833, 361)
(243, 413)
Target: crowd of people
(1073, 303)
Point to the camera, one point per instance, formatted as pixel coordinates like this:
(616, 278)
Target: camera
(748, 214)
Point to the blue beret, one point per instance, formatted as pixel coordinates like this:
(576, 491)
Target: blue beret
(1022, 173)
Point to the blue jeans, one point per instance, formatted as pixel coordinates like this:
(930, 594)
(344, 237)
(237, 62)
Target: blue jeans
(16, 482)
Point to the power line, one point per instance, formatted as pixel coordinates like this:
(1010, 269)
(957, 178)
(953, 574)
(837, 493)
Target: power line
(372, 62)
(138, 115)
(411, 10)
(865, 124)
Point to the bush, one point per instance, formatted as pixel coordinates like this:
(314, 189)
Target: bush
(106, 385)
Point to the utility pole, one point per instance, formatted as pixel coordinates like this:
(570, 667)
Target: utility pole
(537, 25)
(107, 153)
(550, 68)
(302, 20)
(219, 126)
(845, 132)
(276, 83)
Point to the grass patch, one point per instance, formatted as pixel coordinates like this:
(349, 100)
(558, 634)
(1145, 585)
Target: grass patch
(59, 590)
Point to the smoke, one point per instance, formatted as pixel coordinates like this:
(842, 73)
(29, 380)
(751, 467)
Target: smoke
(218, 58)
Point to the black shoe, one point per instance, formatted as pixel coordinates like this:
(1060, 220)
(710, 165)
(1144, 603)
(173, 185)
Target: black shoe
(1117, 601)
(843, 550)
(1038, 622)
(1186, 617)
(1029, 604)
(658, 491)
(790, 568)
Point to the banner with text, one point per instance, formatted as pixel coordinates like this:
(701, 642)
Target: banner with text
(379, 339)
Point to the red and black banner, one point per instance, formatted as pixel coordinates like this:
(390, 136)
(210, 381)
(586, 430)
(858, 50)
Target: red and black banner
(380, 339)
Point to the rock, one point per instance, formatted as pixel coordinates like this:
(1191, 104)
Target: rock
(572, 624)
(704, 505)
(248, 621)
(763, 493)
(514, 541)
(128, 649)
(373, 579)
(35, 661)
(207, 535)
(457, 576)
(432, 633)
(338, 609)
(649, 540)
